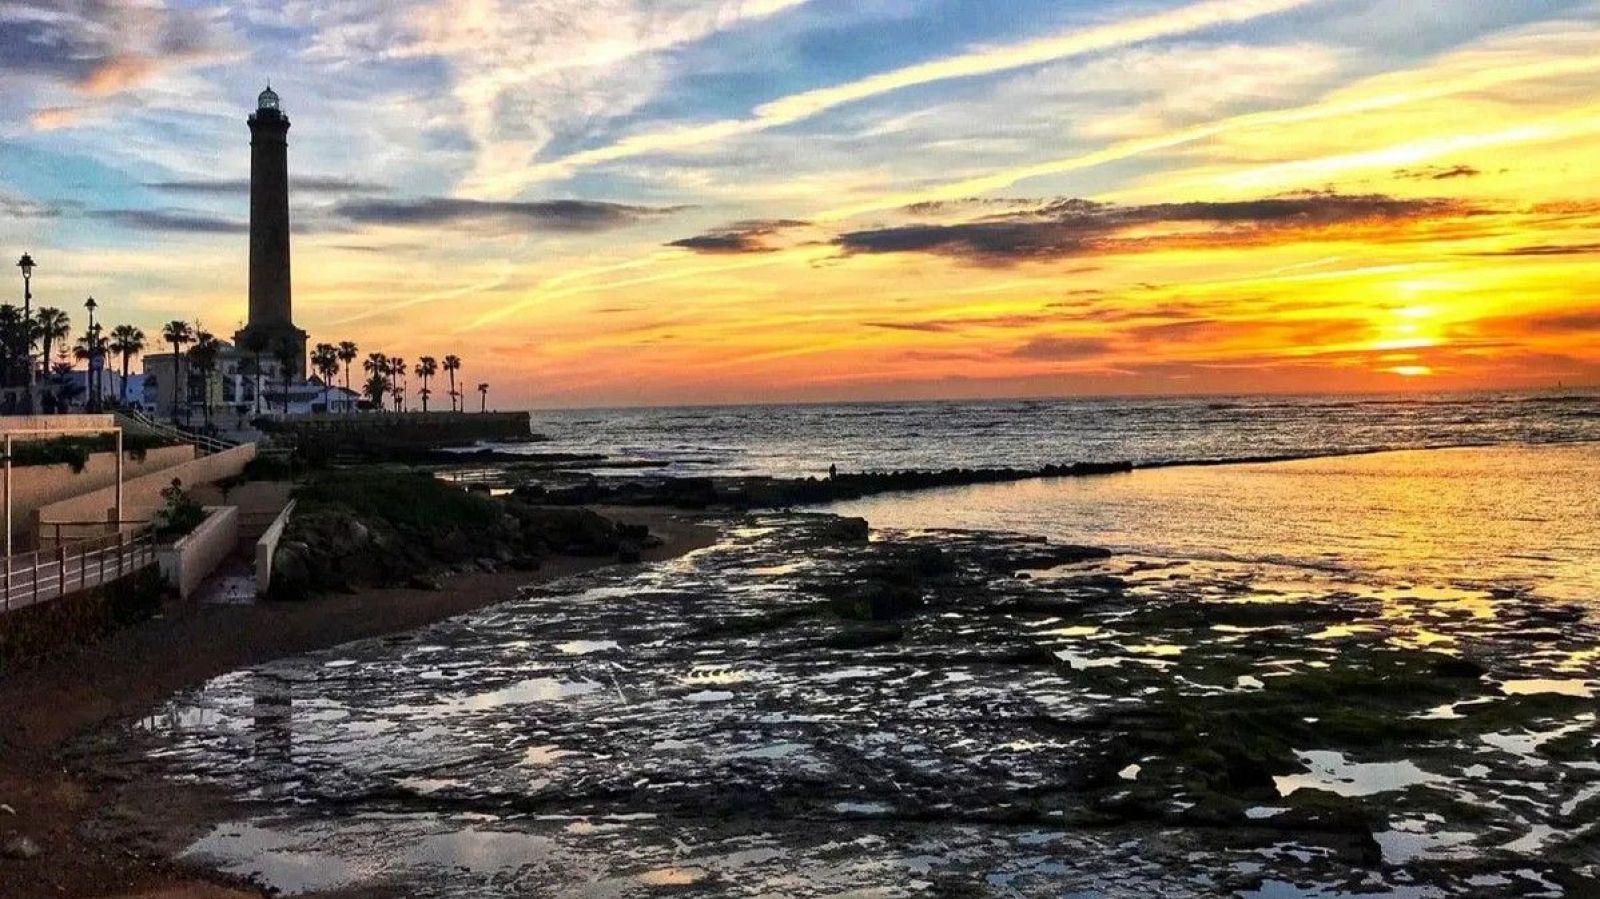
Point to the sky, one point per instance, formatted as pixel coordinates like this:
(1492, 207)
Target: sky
(640, 202)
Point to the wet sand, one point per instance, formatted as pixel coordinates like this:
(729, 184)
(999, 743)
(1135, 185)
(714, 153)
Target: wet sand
(45, 707)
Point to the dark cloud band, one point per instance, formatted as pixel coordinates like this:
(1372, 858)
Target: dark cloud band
(569, 216)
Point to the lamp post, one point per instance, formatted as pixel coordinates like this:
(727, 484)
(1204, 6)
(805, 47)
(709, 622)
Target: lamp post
(92, 377)
(27, 266)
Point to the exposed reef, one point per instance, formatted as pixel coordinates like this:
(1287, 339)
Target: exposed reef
(810, 709)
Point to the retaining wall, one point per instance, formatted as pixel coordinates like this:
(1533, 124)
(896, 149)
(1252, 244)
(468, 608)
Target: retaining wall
(141, 496)
(33, 486)
(267, 545)
(188, 562)
(53, 422)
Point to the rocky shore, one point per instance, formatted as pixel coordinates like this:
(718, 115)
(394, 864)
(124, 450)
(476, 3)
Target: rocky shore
(85, 826)
(973, 713)
(356, 528)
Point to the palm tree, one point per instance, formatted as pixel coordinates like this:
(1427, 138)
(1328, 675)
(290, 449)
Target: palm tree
(377, 367)
(52, 326)
(203, 357)
(427, 367)
(325, 359)
(177, 333)
(377, 386)
(347, 354)
(397, 370)
(452, 364)
(126, 341)
(11, 340)
(255, 342)
(286, 353)
(483, 397)
(84, 350)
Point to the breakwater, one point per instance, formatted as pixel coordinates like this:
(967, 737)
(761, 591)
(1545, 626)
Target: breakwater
(386, 433)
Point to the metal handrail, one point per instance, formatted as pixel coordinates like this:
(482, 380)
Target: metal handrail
(39, 576)
(204, 443)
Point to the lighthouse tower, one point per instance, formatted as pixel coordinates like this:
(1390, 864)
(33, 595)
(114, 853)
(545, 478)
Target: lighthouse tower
(271, 329)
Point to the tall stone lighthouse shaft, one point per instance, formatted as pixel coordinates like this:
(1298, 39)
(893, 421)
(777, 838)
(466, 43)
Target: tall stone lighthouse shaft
(269, 216)
(270, 333)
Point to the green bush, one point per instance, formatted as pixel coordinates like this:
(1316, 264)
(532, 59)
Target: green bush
(402, 498)
(75, 451)
(180, 516)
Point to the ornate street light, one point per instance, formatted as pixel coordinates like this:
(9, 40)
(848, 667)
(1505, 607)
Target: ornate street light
(92, 376)
(27, 265)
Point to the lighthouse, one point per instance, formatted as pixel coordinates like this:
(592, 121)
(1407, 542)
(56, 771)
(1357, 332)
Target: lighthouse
(271, 330)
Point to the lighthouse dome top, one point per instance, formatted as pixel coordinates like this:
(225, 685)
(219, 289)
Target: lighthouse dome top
(268, 99)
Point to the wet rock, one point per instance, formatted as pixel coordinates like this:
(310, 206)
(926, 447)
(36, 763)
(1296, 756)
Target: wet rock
(424, 582)
(291, 571)
(878, 600)
(851, 530)
(1461, 667)
(628, 552)
(20, 848)
(487, 565)
(865, 636)
(1213, 811)
(578, 532)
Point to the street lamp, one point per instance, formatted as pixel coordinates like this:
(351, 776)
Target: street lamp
(92, 377)
(27, 266)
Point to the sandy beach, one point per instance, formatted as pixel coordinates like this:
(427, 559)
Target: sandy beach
(44, 707)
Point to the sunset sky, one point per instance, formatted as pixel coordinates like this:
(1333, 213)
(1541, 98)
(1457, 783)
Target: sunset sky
(600, 202)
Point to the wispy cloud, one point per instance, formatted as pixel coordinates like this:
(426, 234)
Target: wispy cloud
(1346, 104)
(798, 107)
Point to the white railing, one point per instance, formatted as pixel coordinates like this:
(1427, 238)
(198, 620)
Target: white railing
(43, 575)
(204, 444)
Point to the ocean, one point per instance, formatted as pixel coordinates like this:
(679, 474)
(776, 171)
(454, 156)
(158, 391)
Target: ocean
(800, 440)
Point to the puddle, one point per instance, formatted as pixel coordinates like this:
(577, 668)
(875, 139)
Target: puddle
(1332, 772)
(585, 647)
(1577, 688)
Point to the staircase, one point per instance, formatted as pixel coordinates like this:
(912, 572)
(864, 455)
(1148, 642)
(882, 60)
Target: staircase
(141, 423)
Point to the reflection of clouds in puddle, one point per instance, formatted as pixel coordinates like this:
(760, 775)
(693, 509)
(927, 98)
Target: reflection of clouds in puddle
(1333, 772)
(1579, 688)
(540, 756)
(672, 877)
(273, 858)
(585, 647)
(1410, 840)
(481, 850)
(534, 689)
(708, 696)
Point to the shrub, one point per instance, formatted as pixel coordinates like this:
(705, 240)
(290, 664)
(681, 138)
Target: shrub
(180, 516)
